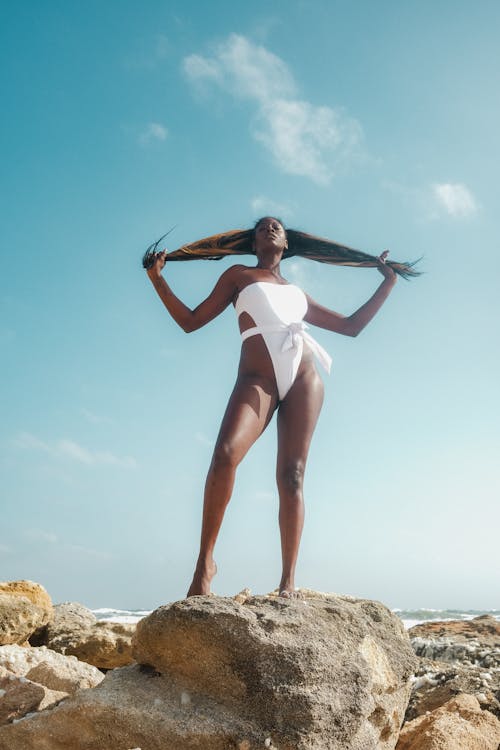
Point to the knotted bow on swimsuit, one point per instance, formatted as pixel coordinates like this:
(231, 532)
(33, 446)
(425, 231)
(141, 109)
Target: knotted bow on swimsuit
(278, 311)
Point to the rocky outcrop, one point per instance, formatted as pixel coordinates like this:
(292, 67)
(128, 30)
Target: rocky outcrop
(76, 631)
(473, 642)
(436, 683)
(459, 724)
(325, 672)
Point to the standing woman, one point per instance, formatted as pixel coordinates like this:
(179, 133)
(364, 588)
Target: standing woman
(276, 373)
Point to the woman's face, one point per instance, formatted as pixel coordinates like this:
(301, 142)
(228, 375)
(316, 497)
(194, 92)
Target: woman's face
(269, 234)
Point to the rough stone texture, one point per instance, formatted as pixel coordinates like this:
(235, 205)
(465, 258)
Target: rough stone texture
(437, 682)
(459, 724)
(326, 673)
(55, 671)
(474, 642)
(19, 696)
(19, 618)
(75, 631)
(32, 591)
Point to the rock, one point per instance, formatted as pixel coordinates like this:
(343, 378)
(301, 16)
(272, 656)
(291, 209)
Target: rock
(53, 670)
(19, 696)
(32, 591)
(68, 617)
(19, 618)
(485, 628)
(459, 724)
(473, 642)
(436, 683)
(329, 672)
(76, 631)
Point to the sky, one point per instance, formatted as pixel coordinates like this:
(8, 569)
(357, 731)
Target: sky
(373, 124)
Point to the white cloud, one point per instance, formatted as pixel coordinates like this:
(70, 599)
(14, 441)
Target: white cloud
(303, 139)
(69, 449)
(455, 198)
(39, 535)
(263, 206)
(154, 131)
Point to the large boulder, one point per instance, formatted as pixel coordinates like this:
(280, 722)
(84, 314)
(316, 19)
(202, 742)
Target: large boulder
(76, 631)
(329, 672)
(459, 724)
(19, 618)
(36, 594)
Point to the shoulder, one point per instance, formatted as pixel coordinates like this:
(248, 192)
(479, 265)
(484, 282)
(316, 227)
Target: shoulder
(235, 273)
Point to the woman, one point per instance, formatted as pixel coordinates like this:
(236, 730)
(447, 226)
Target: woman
(276, 373)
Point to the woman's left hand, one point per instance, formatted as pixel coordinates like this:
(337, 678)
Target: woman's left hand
(386, 271)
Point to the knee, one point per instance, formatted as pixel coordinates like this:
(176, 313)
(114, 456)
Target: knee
(290, 477)
(225, 457)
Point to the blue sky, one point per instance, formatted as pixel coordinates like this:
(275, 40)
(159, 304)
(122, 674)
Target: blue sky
(375, 124)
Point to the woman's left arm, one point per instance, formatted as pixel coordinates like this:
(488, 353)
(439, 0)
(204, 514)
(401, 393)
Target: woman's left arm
(353, 324)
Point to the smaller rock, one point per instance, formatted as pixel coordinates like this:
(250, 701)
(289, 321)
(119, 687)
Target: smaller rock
(19, 696)
(76, 631)
(458, 724)
(53, 670)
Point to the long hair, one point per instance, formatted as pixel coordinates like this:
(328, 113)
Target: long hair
(240, 242)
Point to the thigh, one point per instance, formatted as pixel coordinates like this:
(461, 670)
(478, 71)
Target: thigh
(249, 411)
(297, 418)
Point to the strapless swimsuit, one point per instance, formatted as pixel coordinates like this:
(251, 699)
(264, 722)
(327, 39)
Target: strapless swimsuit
(278, 311)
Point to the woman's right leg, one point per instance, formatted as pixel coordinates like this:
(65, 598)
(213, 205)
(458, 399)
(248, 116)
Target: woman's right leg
(250, 408)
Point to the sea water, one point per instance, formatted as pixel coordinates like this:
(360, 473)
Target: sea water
(410, 617)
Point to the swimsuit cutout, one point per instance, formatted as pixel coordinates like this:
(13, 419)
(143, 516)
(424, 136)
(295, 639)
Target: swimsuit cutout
(278, 311)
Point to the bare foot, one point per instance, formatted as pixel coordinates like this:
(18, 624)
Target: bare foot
(200, 585)
(287, 590)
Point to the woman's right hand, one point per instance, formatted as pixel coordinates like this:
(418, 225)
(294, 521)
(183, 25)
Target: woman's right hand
(154, 272)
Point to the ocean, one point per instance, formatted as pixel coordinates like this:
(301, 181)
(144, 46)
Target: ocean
(410, 617)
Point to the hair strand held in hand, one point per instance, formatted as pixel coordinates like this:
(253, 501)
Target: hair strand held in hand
(300, 244)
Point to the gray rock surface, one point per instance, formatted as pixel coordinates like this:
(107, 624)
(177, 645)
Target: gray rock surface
(326, 673)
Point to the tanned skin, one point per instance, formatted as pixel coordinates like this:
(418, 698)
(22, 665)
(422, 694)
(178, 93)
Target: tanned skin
(255, 397)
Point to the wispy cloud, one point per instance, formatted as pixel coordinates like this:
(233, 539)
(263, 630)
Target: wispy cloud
(153, 131)
(4, 549)
(435, 200)
(456, 199)
(303, 139)
(94, 418)
(203, 439)
(40, 535)
(70, 449)
(263, 206)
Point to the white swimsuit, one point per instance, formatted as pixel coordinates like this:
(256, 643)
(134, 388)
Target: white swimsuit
(278, 311)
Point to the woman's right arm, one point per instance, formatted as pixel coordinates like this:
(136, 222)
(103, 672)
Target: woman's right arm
(190, 320)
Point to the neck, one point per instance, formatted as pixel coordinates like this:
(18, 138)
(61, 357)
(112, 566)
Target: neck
(273, 267)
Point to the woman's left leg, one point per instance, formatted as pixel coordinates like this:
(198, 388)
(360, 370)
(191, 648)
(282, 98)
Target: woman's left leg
(297, 417)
